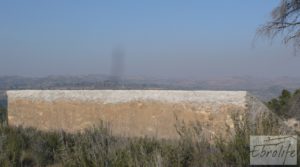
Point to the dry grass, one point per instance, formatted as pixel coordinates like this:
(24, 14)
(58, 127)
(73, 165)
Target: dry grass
(98, 147)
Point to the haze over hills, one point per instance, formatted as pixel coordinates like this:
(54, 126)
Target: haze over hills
(263, 88)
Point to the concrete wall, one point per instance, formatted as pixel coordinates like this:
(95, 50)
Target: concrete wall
(128, 112)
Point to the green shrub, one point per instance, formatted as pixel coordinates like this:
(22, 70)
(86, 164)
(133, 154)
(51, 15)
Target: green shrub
(2, 116)
(280, 105)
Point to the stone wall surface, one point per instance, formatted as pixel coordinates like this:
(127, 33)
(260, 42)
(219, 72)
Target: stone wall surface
(132, 113)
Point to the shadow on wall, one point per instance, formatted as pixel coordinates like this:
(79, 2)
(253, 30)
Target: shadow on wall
(3, 110)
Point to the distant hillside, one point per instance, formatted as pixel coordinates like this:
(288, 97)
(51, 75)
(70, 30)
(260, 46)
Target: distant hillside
(263, 88)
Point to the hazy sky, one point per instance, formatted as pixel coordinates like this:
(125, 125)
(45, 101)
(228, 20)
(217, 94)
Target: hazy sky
(172, 39)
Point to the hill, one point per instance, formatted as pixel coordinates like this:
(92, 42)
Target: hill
(263, 88)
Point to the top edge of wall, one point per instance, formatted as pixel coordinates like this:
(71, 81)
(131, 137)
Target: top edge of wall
(119, 96)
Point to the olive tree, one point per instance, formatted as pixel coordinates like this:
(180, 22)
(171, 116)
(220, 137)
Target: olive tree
(284, 22)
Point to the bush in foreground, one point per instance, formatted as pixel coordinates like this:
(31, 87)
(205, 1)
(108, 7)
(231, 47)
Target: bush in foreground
(97, 147)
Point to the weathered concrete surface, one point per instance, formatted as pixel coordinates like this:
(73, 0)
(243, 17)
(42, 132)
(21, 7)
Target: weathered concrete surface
(129, 112)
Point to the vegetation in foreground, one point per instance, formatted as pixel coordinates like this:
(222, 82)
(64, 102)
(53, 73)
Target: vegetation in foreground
(287, 105)
(97, 147)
